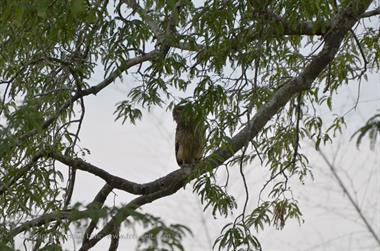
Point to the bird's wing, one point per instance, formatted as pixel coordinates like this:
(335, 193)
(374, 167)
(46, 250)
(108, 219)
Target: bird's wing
(176, 152)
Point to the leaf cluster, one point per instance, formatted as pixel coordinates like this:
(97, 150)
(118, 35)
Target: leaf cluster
(213, 196)
(161, 236)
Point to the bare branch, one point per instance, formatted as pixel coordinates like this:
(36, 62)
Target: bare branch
(371, 13)
(72, 171)
(112, 180)
(365, 61)
(115, 237)
(126, 211)
(97, 203)
(349, 196)
(101, 196)
(71, 215)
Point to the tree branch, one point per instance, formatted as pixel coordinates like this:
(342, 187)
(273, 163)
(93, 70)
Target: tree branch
(347, 193)
(124, 212)
(309, 28)
(72, 215)
(115, 237)
(97, 203)
(371, 13)
(112, 180)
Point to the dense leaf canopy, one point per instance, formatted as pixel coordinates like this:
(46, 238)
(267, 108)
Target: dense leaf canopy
(254, 69)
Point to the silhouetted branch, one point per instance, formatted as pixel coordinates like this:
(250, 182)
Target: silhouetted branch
(96, 204)
(349, 196)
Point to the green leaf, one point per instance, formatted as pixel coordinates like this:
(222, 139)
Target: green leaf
(42, 7)
(77, 7)
(4, 247)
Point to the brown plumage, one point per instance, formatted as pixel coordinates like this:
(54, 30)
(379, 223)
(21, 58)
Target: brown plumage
(189, 136)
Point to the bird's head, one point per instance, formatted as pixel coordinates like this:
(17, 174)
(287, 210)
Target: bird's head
(182, 111)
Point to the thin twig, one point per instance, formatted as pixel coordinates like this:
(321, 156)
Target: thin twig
(244, 182)
(349, 196)
(361, 53)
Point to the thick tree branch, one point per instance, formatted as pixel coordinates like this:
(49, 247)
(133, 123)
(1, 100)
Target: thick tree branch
(124, 212)
(71, 215)
(249, 34)
(115, 237)
(117, 182)
(101, 197)
(112, 180)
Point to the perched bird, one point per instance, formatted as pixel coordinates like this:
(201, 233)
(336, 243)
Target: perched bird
(189, 136)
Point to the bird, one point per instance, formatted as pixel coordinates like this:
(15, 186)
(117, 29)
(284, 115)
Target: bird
(189, 136)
